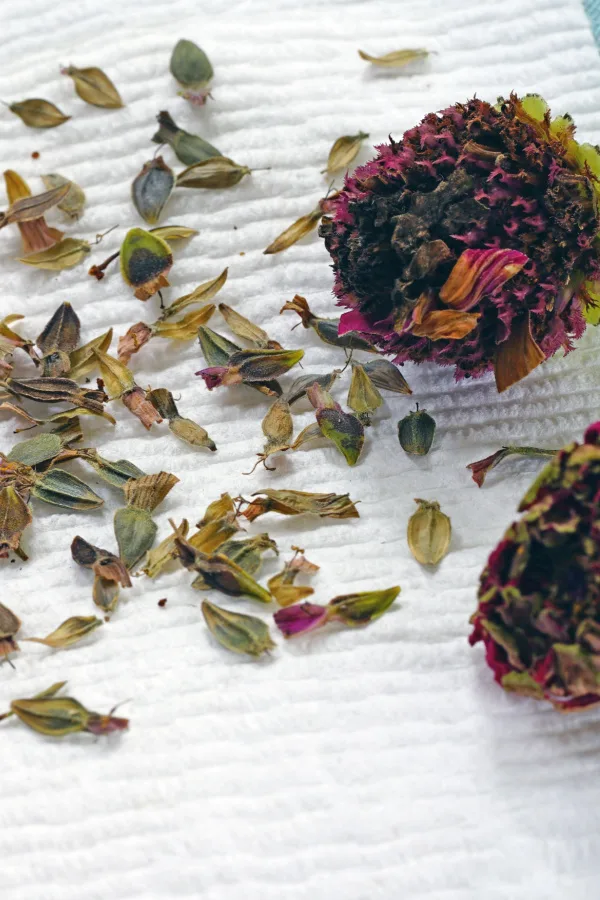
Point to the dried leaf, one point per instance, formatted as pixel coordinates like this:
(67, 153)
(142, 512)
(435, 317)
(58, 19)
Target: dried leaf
(73, 202)
(201, 294)
(63, 489)
(94, 86)
(212, 174)
(217, 349)
(15, 516)
(236, 631)
(62, 255)
(83, 360)
(342, 428)
(396, 59)
(299, 387)
(246, 329)
(299, 229)
(149, 491)
(117, 473)
(145, 261)
(174, 232)
(429, 532)
(517, 356)
(295, 503)
(117, 377)
(39, 113)
(36, 450)
(160, 557)
(135, 531)
(70, 632)
(363, 396)
(343, 151)
(186, 328)
(223, 508)
(30, 208)
(220, 573)
(151, 189)
(247, 553)
(386, 376)
(189, 148)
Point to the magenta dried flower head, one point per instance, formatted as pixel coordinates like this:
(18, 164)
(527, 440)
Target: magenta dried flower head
(539, 596)
(471, 242)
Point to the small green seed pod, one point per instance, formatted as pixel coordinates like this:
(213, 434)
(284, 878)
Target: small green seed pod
(416, 431)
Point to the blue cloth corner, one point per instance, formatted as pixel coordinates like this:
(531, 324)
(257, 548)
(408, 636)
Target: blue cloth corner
(592, 7)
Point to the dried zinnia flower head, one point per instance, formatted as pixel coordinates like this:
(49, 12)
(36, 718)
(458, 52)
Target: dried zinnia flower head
(539, 597)
(470, 242)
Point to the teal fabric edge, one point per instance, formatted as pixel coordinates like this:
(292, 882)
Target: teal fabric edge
(592, 8)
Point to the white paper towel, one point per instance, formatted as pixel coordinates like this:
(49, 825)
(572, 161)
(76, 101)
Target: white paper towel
(353, 765)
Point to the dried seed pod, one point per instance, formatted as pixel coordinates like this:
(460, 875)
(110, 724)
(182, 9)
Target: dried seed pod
(212, 174)
(397, 59)
(343, 151)
(70, 632)
(191, 67)
(145, 261)
(151, 189)
(94, 86)
(39, 113)
(299, 229)
(416, 431)
(9, 626)
(73, 202)
(429, 532)
(237, 632)
(189, 148)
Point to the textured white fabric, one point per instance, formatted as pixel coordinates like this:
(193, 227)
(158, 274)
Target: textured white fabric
(354, 765)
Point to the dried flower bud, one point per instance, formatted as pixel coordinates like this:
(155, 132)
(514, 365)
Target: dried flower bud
(350, 609)
(327, 329)
(429, 532)
(416, 431)
(251, 366)
(57, 716)
(58, 340)
(247, 553)
(186, 430)
(237, 632)
(220, 573)
(189, 148)
(300, 618)
(102, 562)
(191, 67)
(145, 261)
(295, 503)
(480, 468)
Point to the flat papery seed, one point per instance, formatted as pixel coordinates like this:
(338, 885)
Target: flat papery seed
(212, 174)
(429, 533)
(94, 86)
(39, 113)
